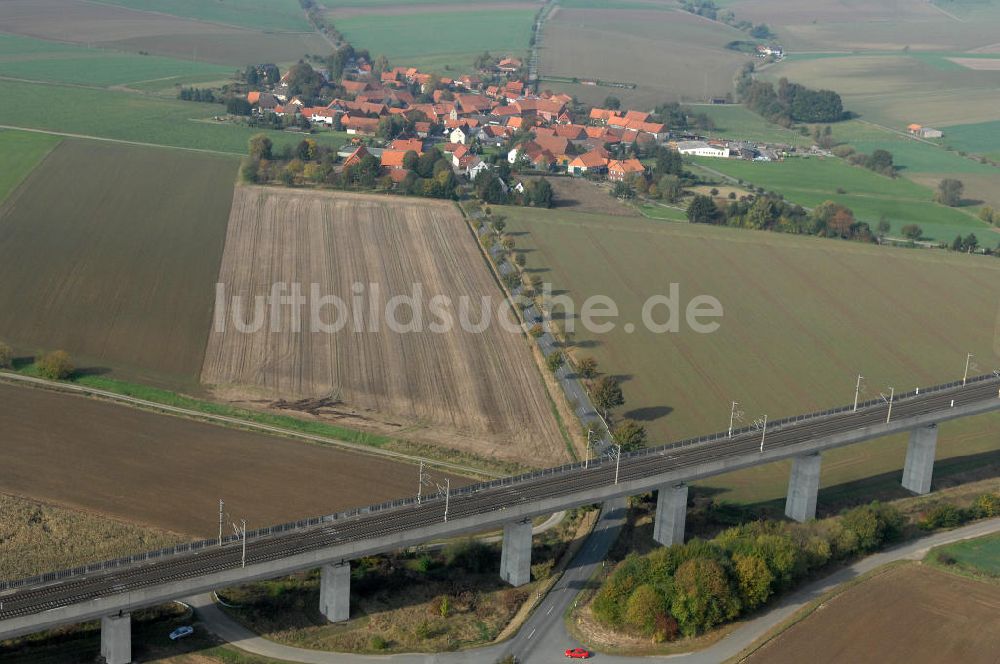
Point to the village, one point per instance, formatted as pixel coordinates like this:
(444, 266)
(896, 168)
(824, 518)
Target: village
(477, 122)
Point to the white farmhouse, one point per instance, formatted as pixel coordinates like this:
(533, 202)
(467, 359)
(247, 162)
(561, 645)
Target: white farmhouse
(460, 135)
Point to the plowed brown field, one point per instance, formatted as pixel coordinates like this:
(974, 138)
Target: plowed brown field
(908, 614)
(170, 472)
(480, 392)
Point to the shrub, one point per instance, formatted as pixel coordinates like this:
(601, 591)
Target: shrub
(536, 330)
(55, 365)
(377, 642)
(6, 356)
(554, 361)
(754, 579)
(943, 515)
(986, 506)
(471, 555)
(873, 524)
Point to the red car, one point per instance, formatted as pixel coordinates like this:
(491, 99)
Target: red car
(577, 653)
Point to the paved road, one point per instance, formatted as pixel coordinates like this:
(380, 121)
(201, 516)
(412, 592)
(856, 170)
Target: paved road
(543, 637)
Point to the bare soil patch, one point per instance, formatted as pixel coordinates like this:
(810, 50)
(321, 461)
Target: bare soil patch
(480, 385)
(577, 195)
(170, 472)
(910, 613)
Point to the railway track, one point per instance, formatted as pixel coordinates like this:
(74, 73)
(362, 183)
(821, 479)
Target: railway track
(644, 465)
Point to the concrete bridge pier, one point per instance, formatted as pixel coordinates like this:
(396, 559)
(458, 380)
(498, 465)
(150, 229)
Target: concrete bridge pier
(919, 465)
(335, 592)
(515, 557)
(671, 513)
(116, 638)
(803, 486)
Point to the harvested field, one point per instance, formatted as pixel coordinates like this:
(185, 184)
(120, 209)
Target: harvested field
(111, 252)
(910, 613)
(96, 24)
(671, 55)
(846, 25)
(482, 389)
(169, 472)
(802, 316)
(979, 64)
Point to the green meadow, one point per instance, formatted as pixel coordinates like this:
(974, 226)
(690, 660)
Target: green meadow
(405, 38)
(811, 181)
(132, 117)
(20, 152)
(38, 60)
(267, 15)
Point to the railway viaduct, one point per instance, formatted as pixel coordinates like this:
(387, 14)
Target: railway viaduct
(111, 590)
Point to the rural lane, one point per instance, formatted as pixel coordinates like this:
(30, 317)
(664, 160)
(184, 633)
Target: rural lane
(89, 137)
(543, 637)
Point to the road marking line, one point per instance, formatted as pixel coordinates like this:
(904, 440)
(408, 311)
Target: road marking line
(550, 610)
(531, 635)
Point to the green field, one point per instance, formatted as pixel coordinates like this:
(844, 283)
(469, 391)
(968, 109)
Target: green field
(132, 117)
(269, 15)
(896, 89)
(803, 316)
(811, 181)
(35, 59)
(111, 252)
(982, 138)
(406, 38)
(976, 557)
(20, 152)
(736, 122)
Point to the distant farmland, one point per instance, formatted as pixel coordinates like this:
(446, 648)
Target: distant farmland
(479, 392)
(803, 316)
(671, 55)
(225, 42)
(111, 253)
(437, 36)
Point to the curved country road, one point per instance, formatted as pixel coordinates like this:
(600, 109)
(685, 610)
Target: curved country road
(543, 636)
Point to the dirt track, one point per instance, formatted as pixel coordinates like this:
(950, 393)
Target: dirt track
(476, 391)
(170, 472)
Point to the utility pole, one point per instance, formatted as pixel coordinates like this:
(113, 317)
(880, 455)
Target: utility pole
(241, 531)
(762, 434)
(420, 482)
(222, 505)
(892, 395)
(590, 432)
(968, 359)
(857, 391)
(447, 496)
(618, 460)
(732, 418)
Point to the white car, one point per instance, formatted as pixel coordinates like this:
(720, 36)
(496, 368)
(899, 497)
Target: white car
(181, 632)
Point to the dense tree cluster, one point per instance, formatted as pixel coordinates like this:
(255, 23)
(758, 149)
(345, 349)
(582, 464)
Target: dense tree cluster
(790, 102)
(687, 589)
(710, 10)
(198, 94)
(490, 187)
(311, 163)
(768, 212)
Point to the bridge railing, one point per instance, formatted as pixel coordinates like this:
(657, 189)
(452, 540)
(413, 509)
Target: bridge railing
(189, 548)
